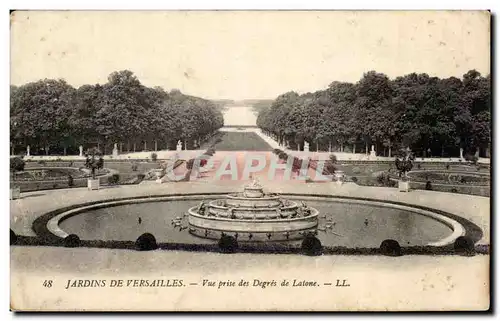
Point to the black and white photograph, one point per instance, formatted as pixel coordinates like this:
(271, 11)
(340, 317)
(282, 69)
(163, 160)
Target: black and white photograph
(250, 160)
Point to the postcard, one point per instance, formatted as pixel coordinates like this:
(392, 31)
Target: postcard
(250, 160)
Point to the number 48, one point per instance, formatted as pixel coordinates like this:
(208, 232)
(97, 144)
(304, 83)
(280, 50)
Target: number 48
(47, 283)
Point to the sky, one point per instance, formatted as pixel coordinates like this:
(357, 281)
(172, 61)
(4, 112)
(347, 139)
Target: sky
(245, 54)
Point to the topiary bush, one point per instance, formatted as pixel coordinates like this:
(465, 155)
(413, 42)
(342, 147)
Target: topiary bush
(146, 242)
(471, 158)
(114, 179)
(71, 181)
(140, 178)
(228, 244)
(311, 245)
(384, 180)
(154, 157)
(13, 237)
(354, 179)
(428, 186)
(464, 245)
(190, 163)
(16, 165)
(135, 166)
(356, 170)
(390, 248)
(71, 240)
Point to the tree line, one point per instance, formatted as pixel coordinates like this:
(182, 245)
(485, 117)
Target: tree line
(53, 117)
(431, 115)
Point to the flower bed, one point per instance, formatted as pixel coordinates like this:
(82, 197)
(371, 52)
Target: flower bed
(451, 178)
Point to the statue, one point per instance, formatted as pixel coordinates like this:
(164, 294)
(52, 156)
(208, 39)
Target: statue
(179, 146)
(201, 208)
(404, 162)
(255, 183)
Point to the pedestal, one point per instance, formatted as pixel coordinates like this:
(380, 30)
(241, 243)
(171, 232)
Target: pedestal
(93, 184)
(15, 193)
(339, 176)
(404, 186)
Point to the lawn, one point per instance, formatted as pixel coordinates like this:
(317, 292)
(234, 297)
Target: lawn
(235, 141)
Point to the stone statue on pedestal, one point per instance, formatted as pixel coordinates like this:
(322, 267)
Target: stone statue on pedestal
(115, 150)
(306, 146)
(179, 146)
(372, 152)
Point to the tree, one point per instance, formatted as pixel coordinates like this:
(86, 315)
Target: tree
(40, 111)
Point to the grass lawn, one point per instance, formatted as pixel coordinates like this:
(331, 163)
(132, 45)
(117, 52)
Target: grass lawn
(234, 141)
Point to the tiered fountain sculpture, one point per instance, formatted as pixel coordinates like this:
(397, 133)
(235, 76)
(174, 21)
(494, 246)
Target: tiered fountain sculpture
(253, 216)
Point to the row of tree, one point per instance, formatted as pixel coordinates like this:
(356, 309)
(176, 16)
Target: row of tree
(428, 114)
(52, 116)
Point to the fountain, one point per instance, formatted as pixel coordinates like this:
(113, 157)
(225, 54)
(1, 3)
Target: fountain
(253, 216)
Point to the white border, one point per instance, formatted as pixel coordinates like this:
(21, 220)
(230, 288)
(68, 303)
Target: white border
(189, 4)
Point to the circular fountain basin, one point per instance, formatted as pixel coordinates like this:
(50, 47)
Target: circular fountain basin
(118, 220)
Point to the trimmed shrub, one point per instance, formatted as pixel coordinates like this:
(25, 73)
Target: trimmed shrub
(283, 156)
(356, 170)
(135, 166)
(140, 178)
(114, 179)
(17, 164)
(146, 242)
(428, 186)
(71, 181)
(464, 245)
(311, 245)
(190, 163)
(390, 248)
(228, 244)
(471, 158)
(454, 190)
(13, 237)
(354, 179)
(71, 240)
(154, 157)
(384, 180)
